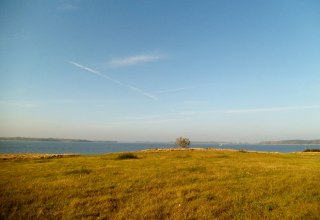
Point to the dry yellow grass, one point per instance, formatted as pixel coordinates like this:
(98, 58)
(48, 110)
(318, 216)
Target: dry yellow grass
(188, 184)
(34, 156)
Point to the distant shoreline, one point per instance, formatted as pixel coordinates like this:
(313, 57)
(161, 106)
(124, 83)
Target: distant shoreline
(283, 142)
(49, 139)
(291, 142)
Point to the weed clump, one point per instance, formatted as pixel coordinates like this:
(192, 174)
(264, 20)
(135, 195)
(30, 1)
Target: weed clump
(311, 150)
(125, 156)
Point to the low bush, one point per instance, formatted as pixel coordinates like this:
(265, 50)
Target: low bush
(125, 156)
(311, 150)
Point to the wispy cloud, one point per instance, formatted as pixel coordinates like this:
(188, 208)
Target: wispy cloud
(190, 115)
(253, 110)
(156, 118)
(271, 109)
(136, 59)
(132, 88)
(75, 102)
(18, 104)
(67, 6)
(41, 103)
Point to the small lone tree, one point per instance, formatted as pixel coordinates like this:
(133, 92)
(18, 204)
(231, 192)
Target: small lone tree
(182, 142)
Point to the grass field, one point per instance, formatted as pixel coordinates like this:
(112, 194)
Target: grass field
(199, 184)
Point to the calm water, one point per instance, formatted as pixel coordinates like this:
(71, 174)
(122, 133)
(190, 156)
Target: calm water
(107, 147)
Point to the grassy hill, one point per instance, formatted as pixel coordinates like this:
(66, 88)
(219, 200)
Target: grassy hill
(209, 184)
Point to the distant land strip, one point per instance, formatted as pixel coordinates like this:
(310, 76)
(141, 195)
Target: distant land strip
(292, 142)
(49, 139)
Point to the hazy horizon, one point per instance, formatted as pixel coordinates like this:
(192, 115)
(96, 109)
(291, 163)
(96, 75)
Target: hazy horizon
(193, 142)
(238, 71)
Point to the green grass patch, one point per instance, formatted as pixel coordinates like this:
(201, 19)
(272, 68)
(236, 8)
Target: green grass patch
(163, 185)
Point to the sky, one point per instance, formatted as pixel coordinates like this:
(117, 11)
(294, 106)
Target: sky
(138, 70)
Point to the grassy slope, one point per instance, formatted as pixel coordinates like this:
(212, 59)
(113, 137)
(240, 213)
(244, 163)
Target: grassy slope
(160, 185)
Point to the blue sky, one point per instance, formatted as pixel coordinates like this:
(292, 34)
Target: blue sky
(155, 70)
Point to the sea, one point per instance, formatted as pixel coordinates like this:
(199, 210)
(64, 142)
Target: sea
(61, 147)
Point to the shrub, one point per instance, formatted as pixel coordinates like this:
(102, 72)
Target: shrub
(125, 156)
(311, 150)
(182, 142)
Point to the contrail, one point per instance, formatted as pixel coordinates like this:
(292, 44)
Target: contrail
(176, 89)
(135, 89)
